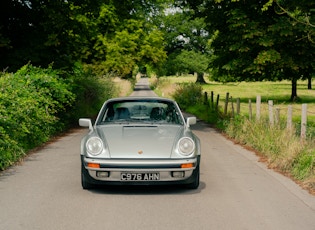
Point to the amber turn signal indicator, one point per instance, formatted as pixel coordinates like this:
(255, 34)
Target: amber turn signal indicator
(93, 165)
(189, 165)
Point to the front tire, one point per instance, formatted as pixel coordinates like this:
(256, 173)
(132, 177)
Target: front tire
(195, 183)
(84, 178)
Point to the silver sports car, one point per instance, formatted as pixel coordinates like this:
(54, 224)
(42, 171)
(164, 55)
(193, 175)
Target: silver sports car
(140, 141)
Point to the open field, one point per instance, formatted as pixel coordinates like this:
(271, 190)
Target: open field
(279, 92)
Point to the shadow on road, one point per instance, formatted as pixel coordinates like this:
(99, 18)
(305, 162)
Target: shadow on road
(147, 190)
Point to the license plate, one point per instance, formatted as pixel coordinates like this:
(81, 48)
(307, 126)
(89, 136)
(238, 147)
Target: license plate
(139, 176)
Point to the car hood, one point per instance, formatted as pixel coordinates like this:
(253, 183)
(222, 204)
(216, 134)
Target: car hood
(132, 141)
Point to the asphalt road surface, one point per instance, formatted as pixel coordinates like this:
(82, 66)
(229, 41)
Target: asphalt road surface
(236, 192)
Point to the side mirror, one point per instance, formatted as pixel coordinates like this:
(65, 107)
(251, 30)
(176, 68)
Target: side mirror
(191, 121)
(86, 122)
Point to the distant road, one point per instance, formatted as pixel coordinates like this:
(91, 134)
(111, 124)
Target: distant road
(142, 88)
(236, 193)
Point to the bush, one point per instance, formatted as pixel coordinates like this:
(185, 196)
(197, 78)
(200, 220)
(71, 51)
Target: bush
(10, 152)
(91, 92)
(188, 94)
(37, 103)
(30, 101)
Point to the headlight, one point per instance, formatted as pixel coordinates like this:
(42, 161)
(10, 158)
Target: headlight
(94, 146)
(186, 146)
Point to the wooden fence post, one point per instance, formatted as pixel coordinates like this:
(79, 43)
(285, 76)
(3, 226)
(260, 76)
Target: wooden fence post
(289, 118)
(212, 101)
(232, 107)
(277, 117)
(270, 109)
(217, 104)
(273, 118)
(206, 99)
(250, 109)
(238, 106)
(258, 103)
(226, 103)
(303, 121)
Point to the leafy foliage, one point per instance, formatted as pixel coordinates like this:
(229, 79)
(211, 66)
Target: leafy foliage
(191, 61)
(107, 35)
(10, 151)
(186, 42)
(37, 103)
(188, 94)
(30, 101)
(91, 91)
(131, 46)
(255, 41)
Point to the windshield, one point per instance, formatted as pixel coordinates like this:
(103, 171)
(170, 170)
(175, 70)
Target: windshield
(143, 111)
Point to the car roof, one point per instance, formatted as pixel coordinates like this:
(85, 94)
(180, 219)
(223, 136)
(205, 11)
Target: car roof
(135, 98)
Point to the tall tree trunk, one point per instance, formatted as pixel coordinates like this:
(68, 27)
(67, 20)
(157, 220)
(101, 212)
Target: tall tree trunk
(294, 89)
(200, 78)
(309, 82)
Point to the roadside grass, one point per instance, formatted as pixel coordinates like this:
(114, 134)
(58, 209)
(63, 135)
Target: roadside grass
(282, 149)
(163, 86)
(124, 87)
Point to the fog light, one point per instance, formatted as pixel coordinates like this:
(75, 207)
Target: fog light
(102, 174)
(178, 174)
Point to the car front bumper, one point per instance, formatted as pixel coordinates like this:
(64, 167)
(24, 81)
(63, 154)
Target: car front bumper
(144, 171)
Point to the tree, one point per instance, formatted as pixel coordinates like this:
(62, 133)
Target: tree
(65, 32)
(186, 42)
(123, 36)
(129, 47)
(191, 62)
(252, 44)
(301, 12)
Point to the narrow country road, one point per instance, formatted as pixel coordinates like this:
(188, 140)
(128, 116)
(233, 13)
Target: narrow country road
(236, 193)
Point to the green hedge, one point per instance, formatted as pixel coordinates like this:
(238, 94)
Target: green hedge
(37, 103)
(30, 101)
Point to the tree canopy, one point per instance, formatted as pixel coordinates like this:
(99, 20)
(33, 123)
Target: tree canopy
(186, 42)
(255, 41)
(114, 34)
(238, 40)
